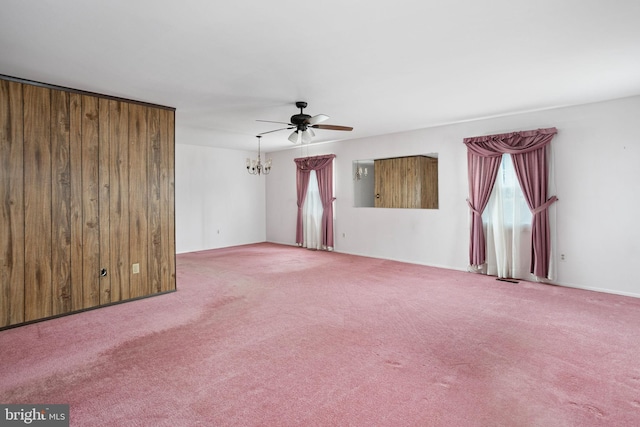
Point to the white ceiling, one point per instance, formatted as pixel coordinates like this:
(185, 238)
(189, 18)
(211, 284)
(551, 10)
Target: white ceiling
(379, 66)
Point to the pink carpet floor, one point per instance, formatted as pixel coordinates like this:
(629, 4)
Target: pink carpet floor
(272, 335)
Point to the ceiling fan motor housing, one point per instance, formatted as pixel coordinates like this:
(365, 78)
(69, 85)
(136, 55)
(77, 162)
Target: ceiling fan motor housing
(300, 119)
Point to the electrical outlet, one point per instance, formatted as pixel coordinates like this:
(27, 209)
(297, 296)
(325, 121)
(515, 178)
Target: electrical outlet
(135, 268)
(561, 257)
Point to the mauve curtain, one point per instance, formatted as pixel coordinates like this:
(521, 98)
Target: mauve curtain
(531, 170)
(323, 165)
(302, 183)
(482, 177)
(528, 153)
(325, 185)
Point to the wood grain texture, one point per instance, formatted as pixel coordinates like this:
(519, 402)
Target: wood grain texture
(90, 203)
(85, 183)
(75, 158)
(167, 119)
(385, 183)
(104, 162)
(171, 202)
(120, 269)
(60, 202)
(138, 221)
(429, 183)
(11, 205)
(154, 168)
(406, 182)
(37, 200)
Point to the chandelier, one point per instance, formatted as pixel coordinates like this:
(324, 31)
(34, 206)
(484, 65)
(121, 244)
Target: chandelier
(255, 167)
(360, 173)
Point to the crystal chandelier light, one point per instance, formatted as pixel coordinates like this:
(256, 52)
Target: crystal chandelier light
(360, 173)
(255, 167)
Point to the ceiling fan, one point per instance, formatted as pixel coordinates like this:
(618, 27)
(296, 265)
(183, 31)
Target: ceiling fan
(302, 123)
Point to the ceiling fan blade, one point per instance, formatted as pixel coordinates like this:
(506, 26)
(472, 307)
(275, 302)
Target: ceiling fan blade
(317, 119)
(332, 127)
(277, 130)
(271, 121)
(294, 137)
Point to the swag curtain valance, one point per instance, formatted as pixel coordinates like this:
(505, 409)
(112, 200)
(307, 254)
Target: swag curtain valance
(527, 149)
(323, 165)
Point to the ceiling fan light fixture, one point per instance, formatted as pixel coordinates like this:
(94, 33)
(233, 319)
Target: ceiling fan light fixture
(306, 136)
(294, 137)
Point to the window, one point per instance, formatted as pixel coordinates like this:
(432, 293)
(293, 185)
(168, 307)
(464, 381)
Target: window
(507, 198)
(312, 215)
(507, 222)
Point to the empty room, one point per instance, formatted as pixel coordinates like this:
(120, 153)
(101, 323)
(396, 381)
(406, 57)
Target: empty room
(409, 213)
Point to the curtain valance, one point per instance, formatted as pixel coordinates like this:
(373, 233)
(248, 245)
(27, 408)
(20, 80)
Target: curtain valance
(307, 164)
(512, 143)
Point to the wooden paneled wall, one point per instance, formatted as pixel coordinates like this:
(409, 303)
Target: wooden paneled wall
(406, 182)
(86, 188)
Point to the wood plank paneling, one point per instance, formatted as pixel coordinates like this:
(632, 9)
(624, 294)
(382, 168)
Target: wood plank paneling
(138, 221)
(154, 167)
(171, 202)
(119, 200)
(86, 183)
(429, 183)
(379, 186)
(406, 182)
(412, 182)
(75, 156)
(386, 183)
(104, 159)
(37, 201)
(90, 203)
(60, 202)
(168, 203)
(11, 205)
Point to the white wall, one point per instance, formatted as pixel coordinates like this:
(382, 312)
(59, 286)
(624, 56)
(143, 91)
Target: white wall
(597, 168)
(218, 204)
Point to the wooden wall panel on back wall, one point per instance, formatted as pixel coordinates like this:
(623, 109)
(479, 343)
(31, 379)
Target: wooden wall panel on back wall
(154, 238)
(406, 182)
(120, 268)
(429, 183)
(75, 156)
(37, 202)
(104, 156)
(90, 203)
(87, 183)
(138, 221)
(60, 203)
(11, 205)
(167, 215)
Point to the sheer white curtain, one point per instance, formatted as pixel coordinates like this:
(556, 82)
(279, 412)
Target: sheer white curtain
(312, 215)
(507, 220)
